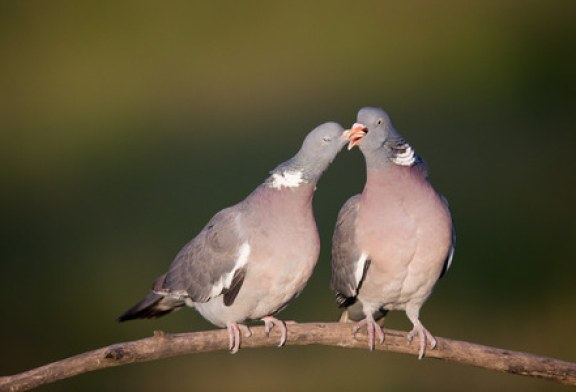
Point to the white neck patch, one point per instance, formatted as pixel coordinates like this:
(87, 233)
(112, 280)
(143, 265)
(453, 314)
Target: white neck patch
(287, 179)
(404, 155)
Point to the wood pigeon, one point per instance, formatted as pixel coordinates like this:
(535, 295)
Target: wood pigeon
(393, 241)
(253, 258)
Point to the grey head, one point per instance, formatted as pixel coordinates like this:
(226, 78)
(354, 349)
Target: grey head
(378, 140)
(318, 150)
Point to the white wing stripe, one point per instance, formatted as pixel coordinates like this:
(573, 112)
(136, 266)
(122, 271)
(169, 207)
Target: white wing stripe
(359, 271)
(226, 280)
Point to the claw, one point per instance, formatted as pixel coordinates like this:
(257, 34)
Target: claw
(234, 337)
(423, 335)
(373, 330)
(270, 322)
(246, 329)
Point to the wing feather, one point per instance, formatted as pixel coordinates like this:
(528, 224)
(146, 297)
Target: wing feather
(210, 264)
(347, 274)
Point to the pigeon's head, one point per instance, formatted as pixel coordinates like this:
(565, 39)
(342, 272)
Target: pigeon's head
(324, 142)
(373, 128)
(319, 149)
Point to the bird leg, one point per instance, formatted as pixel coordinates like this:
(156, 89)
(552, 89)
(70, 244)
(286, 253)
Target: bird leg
(234, 337)
(270, 322)
(373, 329)
(246, 329)
(423, 334)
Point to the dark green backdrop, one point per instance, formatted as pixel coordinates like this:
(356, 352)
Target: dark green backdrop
(126, 125)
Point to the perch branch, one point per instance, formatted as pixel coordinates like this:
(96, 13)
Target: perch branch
(163, 345)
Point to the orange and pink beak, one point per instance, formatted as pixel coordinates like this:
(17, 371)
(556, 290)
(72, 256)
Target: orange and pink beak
(355, 134)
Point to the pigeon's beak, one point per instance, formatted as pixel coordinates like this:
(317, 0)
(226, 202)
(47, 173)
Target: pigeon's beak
(355, 134)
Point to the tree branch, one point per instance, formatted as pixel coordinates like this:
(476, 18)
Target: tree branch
(163, 345)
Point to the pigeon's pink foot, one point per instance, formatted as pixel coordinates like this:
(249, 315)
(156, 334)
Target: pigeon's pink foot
(423, 335)
(373, 329)
(233, 337)
(270, 322)
(246, 329)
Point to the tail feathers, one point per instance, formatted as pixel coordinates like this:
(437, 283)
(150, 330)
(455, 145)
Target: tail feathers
(152, 306)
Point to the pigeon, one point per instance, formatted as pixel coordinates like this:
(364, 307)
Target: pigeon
(251, 259)
(393, 241)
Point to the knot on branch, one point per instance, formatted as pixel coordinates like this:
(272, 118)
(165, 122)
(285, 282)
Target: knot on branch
(116, 353)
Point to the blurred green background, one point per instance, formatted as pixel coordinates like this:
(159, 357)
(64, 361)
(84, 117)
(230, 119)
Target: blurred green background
(126, 125)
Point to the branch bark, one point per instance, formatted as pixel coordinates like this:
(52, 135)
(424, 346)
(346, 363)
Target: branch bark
(163, 345)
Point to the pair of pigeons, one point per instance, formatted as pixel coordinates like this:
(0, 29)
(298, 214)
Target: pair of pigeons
(391, 244)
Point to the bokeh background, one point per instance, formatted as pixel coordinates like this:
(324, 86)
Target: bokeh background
(126, 125)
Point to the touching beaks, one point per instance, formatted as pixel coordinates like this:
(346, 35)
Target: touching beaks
(356, 134)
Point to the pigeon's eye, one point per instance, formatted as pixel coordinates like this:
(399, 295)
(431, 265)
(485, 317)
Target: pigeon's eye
(379, 122)
(327, 139)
